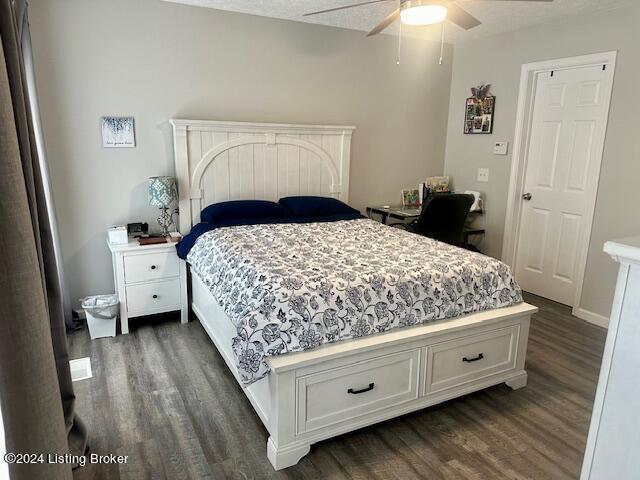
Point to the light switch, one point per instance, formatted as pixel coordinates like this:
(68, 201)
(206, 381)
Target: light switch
(483, 174)
(500, 148)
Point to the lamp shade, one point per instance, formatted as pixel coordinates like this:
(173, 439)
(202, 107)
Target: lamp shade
(162, 191)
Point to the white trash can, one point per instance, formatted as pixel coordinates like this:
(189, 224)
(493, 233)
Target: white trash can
(102, 311)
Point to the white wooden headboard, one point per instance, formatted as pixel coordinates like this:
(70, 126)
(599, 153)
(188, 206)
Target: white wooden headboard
(220, 161)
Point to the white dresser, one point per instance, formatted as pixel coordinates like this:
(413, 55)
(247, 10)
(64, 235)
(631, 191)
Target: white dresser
(613, 446)
(149, 279)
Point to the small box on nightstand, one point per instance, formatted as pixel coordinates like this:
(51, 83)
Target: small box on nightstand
(118, 235)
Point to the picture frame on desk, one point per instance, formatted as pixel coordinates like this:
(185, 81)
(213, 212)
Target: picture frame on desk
(439, 184)
(411, 198)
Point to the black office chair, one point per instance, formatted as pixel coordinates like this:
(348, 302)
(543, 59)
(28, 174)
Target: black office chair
(442, 217)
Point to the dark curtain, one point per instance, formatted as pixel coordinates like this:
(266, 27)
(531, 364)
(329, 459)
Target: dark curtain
(36, 392)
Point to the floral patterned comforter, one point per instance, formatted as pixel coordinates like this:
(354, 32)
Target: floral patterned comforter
(292, 287)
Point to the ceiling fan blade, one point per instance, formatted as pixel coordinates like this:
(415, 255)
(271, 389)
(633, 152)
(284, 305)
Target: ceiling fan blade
(385, 23)
(343, 7)
(461, 17)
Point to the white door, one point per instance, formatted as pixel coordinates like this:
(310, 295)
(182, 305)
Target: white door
(563, 162)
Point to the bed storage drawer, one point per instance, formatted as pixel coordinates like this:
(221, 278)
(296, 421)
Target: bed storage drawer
(148, 298)
(347, 392)
(456, 362)
(150, 266)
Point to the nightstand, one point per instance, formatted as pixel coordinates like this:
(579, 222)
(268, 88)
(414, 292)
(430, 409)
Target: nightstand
(149, 279)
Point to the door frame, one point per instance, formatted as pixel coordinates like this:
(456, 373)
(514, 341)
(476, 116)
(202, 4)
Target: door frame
(524, 114)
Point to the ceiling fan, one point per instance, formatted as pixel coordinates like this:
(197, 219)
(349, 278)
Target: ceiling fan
(421, 12)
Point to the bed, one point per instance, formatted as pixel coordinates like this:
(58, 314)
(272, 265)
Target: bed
(333, 325)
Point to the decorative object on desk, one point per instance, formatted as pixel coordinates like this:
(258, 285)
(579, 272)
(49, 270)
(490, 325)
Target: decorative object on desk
(118, 235)
(118, 132)
(479, 110)
(137, 229)
(163, 193)
(411, 198)
(437, 184)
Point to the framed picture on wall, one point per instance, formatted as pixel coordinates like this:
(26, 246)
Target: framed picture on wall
(118, 132)
(479, 111)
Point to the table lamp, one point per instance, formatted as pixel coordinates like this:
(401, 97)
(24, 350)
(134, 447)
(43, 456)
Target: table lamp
(163, 193)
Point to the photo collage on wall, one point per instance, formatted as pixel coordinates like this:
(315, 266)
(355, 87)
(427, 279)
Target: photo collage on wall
(480, 108)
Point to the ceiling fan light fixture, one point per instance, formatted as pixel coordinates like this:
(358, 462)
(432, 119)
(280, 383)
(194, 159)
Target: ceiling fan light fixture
(422, 13)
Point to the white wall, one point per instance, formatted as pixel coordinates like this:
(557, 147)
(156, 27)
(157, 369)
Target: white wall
(156, 60)
(497, 60)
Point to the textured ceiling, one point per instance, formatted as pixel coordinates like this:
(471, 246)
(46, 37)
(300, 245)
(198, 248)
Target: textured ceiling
(496, 16)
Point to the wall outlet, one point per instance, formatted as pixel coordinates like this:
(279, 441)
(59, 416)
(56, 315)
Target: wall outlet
(500, 148)
(483, 175)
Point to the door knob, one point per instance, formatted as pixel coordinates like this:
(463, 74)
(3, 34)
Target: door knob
(526, 196)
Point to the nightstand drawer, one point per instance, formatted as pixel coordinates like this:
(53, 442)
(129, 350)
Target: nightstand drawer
(153, 297)
(150, 266)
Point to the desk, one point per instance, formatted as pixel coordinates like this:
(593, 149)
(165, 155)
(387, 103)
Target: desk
(403, 213)
(399, 213)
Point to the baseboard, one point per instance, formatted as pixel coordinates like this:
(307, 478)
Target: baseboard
(591, 317)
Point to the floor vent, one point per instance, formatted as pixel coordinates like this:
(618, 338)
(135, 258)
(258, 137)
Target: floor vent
(80, 369)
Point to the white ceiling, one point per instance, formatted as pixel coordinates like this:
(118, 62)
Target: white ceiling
(496, 15)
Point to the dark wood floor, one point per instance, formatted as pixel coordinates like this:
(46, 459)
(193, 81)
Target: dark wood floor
(163, 396)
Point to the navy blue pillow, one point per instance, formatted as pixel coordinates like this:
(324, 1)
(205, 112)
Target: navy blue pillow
(241, 209)
(309, 206)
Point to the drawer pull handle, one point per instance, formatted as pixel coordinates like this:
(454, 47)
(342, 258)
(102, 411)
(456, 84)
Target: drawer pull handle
(153, 267)
(154, 296)
(475, 359)
(355, 392)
